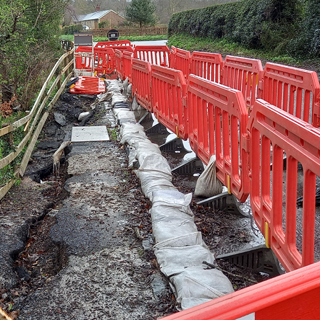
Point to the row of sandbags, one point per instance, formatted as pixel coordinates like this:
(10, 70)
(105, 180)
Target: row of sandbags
(179, 247)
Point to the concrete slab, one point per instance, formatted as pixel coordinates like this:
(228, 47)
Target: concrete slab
(86, 134)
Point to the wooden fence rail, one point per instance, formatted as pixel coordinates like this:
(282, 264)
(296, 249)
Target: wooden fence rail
(40, 110)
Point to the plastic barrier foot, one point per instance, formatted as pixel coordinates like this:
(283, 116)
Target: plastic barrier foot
(224, 202)
(173, 146)
(189, 168)
(257, 259)
(146, 119)
(159, 128)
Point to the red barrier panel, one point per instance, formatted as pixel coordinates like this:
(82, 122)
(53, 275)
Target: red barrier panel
(88, 85)
(158, 55)
(207, 65)
(127, 65)
(83, 58)
(180, 60)
(105, 62)
(141, 82)
(168, 90)
(243, 74)
(118, 43)
(218, 126)
(294, 295)
(294, 90)
(118, 62)
(273, 197)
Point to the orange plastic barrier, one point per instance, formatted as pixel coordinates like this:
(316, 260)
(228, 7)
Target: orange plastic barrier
(294, 90)
(141, 82)
(168, 90)
(218, 126)
(273, 202)
(243, 74)
(207, 65)
(83, 58)
(88, 85)
(294, 295)
(118, 60)
(158, 55)
(127, 65)
(180, 60)
(105, 62)
(118, 43)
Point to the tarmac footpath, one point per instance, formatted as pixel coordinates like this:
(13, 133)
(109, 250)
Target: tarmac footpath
(101, 225)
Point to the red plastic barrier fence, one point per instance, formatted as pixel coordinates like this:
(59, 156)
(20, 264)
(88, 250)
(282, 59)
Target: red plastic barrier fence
(105, 62)
(118, 60)
(243, 74)
(180, 60)
(207, 65)
(88, 85)
(83, 58)
(274, 201)
(218, 126)
(294, 90)
(158, 55)
(168, 90)
(294, 295)
(118, 43)
(141, 82)
(127, 65)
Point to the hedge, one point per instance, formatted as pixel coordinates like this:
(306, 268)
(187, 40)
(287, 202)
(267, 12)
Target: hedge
(264, 24)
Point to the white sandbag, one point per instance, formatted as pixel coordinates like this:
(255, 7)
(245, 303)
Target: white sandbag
(113, 86)
(122, 114)
(125, 86)
(117, 97)
(174, 260)
(173, 199)
(134, 105)
(131, 138)
(207, 184)
(153, 162)
(152, 181)
(132, 157)
(197, 285)
(190, 239)
(132, 132)
(172, 228)
(129, 91)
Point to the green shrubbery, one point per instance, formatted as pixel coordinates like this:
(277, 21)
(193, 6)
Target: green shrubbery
(281, 26)
(72, 29)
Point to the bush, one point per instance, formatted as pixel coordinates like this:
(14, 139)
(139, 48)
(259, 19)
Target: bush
(307, 44)
(103, 24)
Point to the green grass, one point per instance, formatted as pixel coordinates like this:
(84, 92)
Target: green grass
(223, 46)
(130, 38)
(6, 148)
(14, 117)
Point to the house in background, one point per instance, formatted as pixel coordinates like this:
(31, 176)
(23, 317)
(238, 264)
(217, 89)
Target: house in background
(92, 20)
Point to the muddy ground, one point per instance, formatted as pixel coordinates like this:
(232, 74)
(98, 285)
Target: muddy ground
(78, 245)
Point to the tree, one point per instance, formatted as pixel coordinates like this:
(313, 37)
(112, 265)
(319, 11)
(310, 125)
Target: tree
(29, 40)
(141, 11)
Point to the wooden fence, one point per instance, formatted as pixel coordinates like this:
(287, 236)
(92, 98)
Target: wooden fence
(35, 120)
(150, 31)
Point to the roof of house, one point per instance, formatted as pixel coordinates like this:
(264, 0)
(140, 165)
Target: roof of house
(93, 16)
